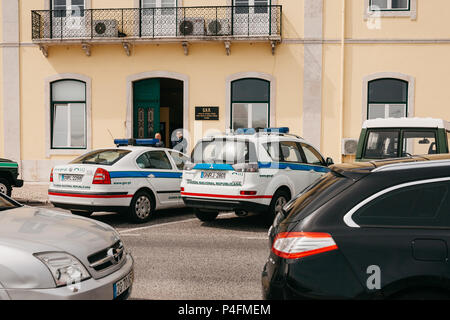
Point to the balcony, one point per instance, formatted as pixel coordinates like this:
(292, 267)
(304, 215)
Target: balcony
(157, 25)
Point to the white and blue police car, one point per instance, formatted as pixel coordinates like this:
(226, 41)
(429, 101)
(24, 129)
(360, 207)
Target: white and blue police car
(134, 177)
(249, 171)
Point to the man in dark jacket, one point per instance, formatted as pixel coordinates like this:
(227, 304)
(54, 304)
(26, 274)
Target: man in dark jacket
(179, 143)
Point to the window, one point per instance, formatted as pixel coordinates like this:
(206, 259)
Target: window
(382, 144)
(389, 5)
(145, 4)
(284, 151)
(387, 98)
(250, 107)
(75, 7)
(103, 157)
(154, 160)
(242, 6)
(224, 151)
(68, 114)
(179, 159)
(419, 142)
(311, 155)
(419, 205)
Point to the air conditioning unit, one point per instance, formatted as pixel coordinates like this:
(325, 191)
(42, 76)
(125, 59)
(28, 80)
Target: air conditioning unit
(192, 27)
(219, 27)
(349, 146)
(105, 28)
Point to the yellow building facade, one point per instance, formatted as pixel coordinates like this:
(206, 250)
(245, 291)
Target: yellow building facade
(77, 73)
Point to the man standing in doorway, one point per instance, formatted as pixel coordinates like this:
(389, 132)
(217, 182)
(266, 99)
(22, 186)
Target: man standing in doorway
(179, 143)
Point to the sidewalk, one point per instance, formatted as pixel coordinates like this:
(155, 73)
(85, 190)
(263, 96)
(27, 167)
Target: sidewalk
(31, 193)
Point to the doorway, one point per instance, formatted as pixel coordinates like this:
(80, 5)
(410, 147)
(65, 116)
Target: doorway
(157, 108)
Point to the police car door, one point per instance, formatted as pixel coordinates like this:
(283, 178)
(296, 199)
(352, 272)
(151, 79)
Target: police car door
(157, 168)
(315, 161)
(292, 165)
(179, 160)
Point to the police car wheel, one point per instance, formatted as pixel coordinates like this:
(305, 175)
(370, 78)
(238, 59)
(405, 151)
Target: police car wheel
(206, 215)
(81, 213)
(5, 187)
(141, 207)
(279, 199)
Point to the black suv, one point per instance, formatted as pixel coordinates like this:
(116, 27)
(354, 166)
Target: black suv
(374, 230)
(9, 171)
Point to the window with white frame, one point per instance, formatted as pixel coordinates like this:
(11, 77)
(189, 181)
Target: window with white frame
(390, 5)
(148, 4)
(387, 98)
(260, 6)
(68, 114)
(250, 106)
(75, 7)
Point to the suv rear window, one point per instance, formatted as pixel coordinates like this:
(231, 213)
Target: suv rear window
(229, 151)
(316, 195)
(423, 205)
(104, 157)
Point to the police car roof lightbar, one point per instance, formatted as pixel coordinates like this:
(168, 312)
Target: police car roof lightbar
(277, 130)
(245, 131)
(135, 142)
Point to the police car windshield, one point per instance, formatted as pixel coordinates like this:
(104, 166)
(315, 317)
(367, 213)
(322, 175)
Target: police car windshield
(103, 157)
(223, 150)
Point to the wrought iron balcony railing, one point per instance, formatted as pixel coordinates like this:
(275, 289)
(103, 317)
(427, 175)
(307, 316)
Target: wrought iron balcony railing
(158, 23)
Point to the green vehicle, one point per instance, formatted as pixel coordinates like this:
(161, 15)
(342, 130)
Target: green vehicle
(402, 137)
(9, 171)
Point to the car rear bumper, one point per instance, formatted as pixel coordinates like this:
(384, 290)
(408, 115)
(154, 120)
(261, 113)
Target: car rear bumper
(92, 289)
(97, 201)
(224, 205)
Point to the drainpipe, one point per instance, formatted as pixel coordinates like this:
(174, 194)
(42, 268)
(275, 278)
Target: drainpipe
(342, 88)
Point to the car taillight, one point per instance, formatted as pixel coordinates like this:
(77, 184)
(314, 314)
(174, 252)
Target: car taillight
(51, 175)
(101, 176)
(246, 167)
(294, 245)
(182, 189)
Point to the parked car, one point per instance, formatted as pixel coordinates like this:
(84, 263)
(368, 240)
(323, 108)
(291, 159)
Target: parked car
(53, 255)
(378, 230)
(402, 137)
(9, 172)
(136, 179)
(249, 171)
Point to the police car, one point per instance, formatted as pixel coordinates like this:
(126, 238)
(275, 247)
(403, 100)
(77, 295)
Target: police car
(134, 177)
(249, 171)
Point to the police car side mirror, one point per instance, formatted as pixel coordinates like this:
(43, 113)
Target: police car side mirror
(329, 162)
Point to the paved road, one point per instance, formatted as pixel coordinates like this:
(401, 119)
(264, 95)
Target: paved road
(179, 257)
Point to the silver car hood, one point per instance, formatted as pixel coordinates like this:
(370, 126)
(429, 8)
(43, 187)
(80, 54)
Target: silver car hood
(27, 230)
(36, 230)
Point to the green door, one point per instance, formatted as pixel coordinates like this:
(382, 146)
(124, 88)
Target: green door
(146, 103)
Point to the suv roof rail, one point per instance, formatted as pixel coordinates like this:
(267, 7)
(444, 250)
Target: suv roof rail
(412, 165)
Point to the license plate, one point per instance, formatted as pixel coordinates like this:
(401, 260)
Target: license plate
(213, 175)
(72, 177)
(122, 285)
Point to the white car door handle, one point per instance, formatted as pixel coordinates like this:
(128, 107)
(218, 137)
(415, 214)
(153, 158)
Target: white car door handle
(151, 176)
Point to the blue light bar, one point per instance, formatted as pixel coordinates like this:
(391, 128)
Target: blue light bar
(135, 142)
(245, 131)
(123, 142)
(278, 130)
(146, 142)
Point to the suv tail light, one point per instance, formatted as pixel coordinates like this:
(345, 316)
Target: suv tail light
(246, 167)
(101, 176)
(51, 175)
(294, 245)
